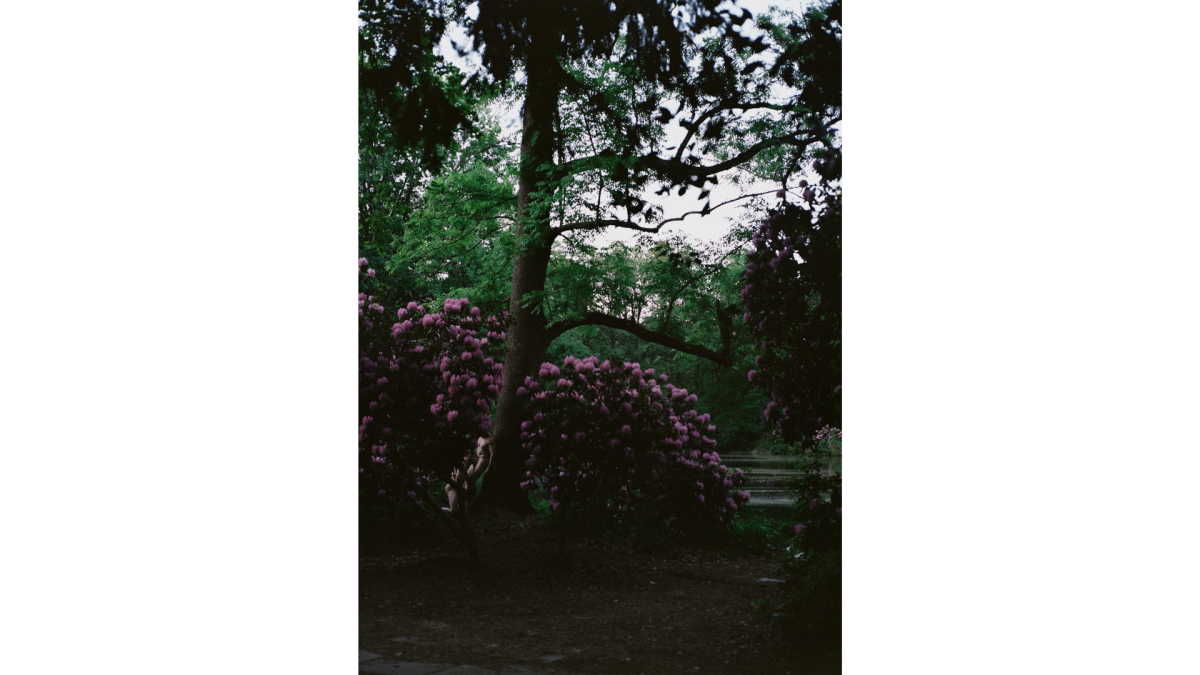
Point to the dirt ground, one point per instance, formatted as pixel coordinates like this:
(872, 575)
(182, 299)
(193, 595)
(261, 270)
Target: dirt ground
(603, 611)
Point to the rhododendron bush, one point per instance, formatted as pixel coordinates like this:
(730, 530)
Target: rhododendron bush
(427, 382)
(812, 593)
(793, 301)
(615, 438)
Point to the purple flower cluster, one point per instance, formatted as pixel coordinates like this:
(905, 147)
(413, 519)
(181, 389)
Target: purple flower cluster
(792, 301)
(608, 436)
(829, 433)
(426, 387)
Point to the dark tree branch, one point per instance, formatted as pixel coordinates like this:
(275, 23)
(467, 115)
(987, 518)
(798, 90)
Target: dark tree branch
(693, 127)
(675, 167)
(597, 224)
(672, 167)
(598, 319)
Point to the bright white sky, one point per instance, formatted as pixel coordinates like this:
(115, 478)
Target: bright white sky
(710, 227)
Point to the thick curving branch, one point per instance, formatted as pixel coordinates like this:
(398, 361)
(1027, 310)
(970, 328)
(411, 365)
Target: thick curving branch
(694, 126)
(600, 319)
(675, 168)
(597, 224)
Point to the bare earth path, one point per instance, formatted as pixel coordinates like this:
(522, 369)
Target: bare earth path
(607, 611)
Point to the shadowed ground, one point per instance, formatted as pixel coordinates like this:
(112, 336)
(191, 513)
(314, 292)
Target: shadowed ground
(606, 611)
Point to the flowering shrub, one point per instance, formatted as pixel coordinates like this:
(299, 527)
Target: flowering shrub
(426, 386)
(614, 437)
(819, 496)
(812, 571)
(793, 299)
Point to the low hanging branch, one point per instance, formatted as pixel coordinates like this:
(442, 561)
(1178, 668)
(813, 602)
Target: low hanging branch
(629, 225)
(600, 319)
(680, 171)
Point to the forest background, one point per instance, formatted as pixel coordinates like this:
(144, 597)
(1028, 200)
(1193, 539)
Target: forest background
(618, 107)
(441, 212)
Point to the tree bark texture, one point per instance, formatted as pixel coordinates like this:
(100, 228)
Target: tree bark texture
(526, 340)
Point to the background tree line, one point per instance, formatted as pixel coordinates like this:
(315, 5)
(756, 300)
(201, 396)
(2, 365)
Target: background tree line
(457, 207)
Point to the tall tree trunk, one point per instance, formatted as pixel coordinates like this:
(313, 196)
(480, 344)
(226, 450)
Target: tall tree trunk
(526, 340)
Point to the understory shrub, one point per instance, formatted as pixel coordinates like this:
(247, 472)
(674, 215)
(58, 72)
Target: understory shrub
(617, 440)
(793, 299)
(812, 595)
(426, 386)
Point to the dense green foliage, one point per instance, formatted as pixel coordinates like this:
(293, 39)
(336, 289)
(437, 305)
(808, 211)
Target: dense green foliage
(672, 285)
(455, 202)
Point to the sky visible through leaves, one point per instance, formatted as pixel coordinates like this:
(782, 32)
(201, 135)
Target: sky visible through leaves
(712, 227)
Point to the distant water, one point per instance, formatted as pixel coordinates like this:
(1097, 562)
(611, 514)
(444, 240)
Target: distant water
(766, 479)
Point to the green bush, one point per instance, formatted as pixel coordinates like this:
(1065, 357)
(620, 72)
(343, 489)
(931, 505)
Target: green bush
(811, 603)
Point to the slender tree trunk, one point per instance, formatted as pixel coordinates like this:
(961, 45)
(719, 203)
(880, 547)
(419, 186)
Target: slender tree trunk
(526, 340)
